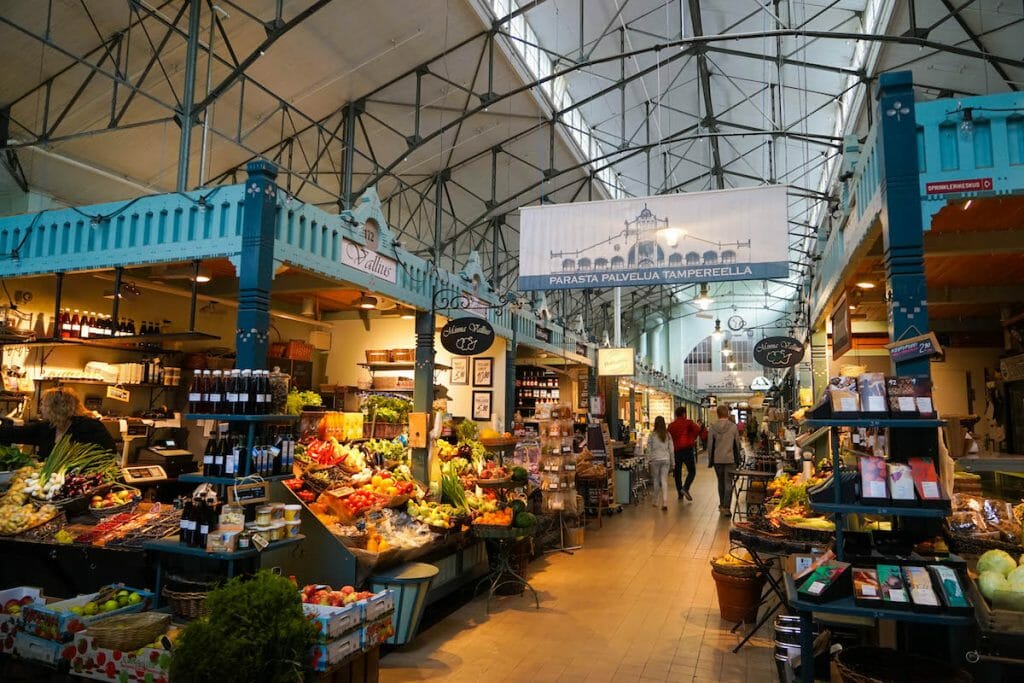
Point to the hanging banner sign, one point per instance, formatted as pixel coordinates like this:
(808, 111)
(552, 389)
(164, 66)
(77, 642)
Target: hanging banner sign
(667, 239)
(778, 352)
(914, 347)
(542, 334)
(368, 261)
(616, 362)
(467, 336)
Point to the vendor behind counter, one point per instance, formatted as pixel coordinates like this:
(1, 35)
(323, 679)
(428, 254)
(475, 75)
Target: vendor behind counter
(62, 414)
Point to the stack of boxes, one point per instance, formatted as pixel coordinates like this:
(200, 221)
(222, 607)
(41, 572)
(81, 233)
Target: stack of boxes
(350, 630)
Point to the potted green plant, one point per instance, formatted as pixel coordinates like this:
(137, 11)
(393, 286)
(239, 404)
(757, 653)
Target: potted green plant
(255, 631)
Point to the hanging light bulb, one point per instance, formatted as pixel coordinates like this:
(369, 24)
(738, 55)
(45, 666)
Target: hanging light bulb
(726, 349)
(717, 334)
(704, 301)
(731, 365)
(967, 125)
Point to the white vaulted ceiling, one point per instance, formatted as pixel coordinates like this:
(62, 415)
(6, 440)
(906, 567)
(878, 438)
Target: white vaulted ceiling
(765, 98)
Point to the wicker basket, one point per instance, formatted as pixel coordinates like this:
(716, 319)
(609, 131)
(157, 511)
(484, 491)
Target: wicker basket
(870, 664)
(187, 605)
(378, 356)
(493, 531)
(103, 513)
(77, 504)
(743, 571)
(129, 631)
(402, 355)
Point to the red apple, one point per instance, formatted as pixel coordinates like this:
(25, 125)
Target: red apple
(27, 600)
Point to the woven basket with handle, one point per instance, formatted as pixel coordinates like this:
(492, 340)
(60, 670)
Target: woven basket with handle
(187, 605)
(129, 631)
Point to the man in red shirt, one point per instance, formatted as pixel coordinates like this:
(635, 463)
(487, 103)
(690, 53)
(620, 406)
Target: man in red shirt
(684, 433)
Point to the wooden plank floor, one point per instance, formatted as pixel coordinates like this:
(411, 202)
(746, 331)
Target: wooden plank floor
(637, 603)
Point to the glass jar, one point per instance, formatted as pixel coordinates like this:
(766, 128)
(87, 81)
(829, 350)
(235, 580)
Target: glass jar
(279, 382)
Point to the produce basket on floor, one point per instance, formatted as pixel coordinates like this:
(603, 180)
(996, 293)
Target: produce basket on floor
(495, 531)
(129, 631)
(871, 664)
(744, 570)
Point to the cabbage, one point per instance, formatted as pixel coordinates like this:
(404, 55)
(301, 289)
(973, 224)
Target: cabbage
(1016, 578)
(996, 561)
(989, 582)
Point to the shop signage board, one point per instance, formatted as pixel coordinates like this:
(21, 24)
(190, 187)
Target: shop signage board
(689, 237)
(778, 352)
(914, 347)
(726, 382)
(955, 186)
(542, 333)
(368, 261)
(467, 336)
(761, 383)
(616, 362)
(1012, 368)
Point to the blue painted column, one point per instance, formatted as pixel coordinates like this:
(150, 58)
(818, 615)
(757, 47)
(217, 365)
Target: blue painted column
(902, 231)
(903, 242)
(509, 402)
(256, 265)
(423, 387)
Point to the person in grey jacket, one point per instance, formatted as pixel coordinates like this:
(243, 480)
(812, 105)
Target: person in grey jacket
(723, 453)
(659, 454)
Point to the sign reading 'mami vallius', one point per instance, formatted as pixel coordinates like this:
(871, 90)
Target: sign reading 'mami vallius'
(667, 239)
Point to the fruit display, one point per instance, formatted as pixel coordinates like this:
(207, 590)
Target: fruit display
(72, 469)
(439, 515)
(481, 504)
(358, 502)
(112, 499)
(386, 485)
(330, 452)
(1001, 580)
(17, 514)
(492, 471)
(375, 542)
(59, 621)
(13, 606)
(502, 517)
(387, 450)
(317, 594)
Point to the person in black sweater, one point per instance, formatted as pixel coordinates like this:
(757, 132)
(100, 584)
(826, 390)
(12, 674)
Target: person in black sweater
(62, 414)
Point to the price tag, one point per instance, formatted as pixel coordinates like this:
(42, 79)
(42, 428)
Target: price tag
(869, 591)
(907, 404)
(249, 494)
(930, 489)
(876, 489)
(260, 542)
(803, 563)
(876, 404)
(848, 404)
(119, 394)
(924, 405)
(816, 588)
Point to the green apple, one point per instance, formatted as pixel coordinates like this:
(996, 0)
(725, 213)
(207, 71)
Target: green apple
(134, 598)
(110, 606)
(90, 609)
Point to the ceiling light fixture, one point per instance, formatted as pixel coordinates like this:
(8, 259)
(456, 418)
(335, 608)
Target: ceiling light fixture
(726, 349)
(703, 301)
(717, 334)
(731, 365)
(866, 285)
(967, 125)
(366, 302)
(968, 203)
(408, 314)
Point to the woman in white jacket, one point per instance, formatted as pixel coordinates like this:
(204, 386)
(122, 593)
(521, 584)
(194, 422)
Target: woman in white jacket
(659, 456)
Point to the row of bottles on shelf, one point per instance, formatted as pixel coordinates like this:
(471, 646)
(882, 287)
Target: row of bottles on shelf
(198, 518)
(547, 394)
(235, 392)
(75, 324)
(535, 379)
(227, 455)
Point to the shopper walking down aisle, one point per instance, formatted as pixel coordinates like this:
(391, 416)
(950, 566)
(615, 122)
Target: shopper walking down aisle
(723, 453)
(659, 454)
(684, 433)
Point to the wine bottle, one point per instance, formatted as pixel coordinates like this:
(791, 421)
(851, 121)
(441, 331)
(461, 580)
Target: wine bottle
(231, 392)
(245, 402)
(195, 395)
(205, 519)
(211, 446)
(228, 456)
(215, 392)
(219, 461)
(204, 388)
(76, 325)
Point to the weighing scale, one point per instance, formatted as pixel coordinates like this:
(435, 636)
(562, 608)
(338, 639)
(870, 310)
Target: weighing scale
(143, 474)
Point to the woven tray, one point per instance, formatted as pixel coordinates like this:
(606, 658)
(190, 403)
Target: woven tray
(44, 531)
(129, 631)
(103, 513)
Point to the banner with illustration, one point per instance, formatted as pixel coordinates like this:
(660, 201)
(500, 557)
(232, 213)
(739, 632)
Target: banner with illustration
(666, 239)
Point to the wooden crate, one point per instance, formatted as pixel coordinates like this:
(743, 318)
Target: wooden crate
(1001, 621)
(361, 668)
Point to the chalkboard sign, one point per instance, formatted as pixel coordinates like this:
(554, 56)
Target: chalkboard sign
(467, 336)
(778, 352)
(914, 347)
(249, 494)
(543, 334)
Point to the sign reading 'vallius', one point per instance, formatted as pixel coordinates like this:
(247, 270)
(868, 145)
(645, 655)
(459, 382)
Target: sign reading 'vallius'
(778, 352)
(467, 336)
(368, 261)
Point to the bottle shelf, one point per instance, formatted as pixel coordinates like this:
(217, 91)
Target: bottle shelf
(100, 382)
(229, 481)
(879, 423)
(893, 510)
(173, 546)
(224, 417)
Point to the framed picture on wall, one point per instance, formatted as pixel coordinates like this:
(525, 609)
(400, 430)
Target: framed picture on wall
(482, 405)
(842, 333)
(460, 370)
(483, 372)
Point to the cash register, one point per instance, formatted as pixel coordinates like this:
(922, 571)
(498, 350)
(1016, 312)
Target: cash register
(164, 449)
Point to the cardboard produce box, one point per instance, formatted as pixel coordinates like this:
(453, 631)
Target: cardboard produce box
(58, 622)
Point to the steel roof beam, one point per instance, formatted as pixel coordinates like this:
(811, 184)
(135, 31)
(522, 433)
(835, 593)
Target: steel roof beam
(976, 41)
(709, 121)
